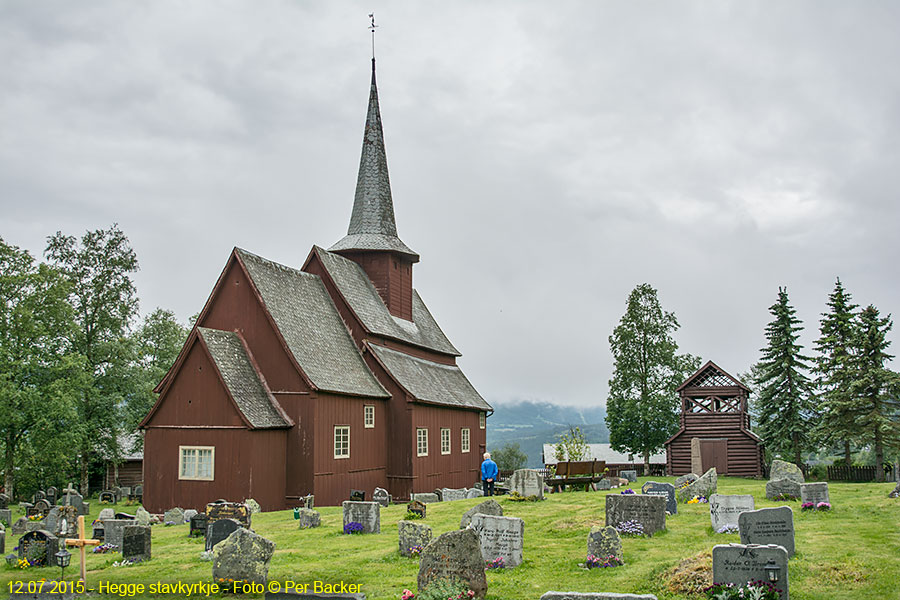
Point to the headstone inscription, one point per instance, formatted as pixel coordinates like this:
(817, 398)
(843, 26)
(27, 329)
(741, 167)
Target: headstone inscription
(740, 564)
(243, 556)
(367, 514)
(198, 525)
(417, 508)
(527, 482)
(605, 541)
(649, 511)
(454, 555)
(39, 547)
(219, 530)
(358, 495)
(412, 537)
(136, 543)
(814, 492)
(228, 510)
(381, 496)
(114, 529)
(724, 509)
(768, 526)
(488, 507)
(666, 490)
(500, 537)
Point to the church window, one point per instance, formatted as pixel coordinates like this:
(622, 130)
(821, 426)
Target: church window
(481, 420)
(464, 440)
(421, 442)
(445, 441)
(197, 462)
(369, 416)
(342, 441)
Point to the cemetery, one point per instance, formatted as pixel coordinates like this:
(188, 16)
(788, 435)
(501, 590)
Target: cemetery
(849, 552)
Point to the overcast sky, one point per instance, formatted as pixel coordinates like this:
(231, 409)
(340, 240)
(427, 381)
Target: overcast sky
(545, 158)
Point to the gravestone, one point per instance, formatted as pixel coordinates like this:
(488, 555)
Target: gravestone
(308, 518)
(740, 564)
(6, 516)
(686, 479)
(500, 537)
(814, 492)
(450, 494)
(138, 493)
(113, 529)
(19, 527)
(107, 497)
(439, 492)
(98, 532)
(782, 487)
(218, 531)
(40, 546)
(630, 475)
(41, 508)
(696, 456)
(604, 484)
(426, 498)
(381, 496)
(605, 541)
(527, 482)
(724, 509)
(253, 505)
(174, 515)
(229, 510)
(768, 526)
(595, 596)
(52, 494)
(411, 534)
(416, 507)
(368, 514)
(38, 495)
(188, 514)
(488, 507)
(106, 513)
(67, 520)
(75, 499)
(2, 541)
(136, 543)
(705, 486)
(4, 501)
(649, 511)
(454, 555)
(307, 501)
(198, 524)
(243, 556)
(357, 495)
(142, 517)
(785, 470)
(666, 490)
(474, 493)
(895, 493)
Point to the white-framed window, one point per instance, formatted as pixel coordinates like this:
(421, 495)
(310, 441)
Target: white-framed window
(369, 416)
(445, 441)
(482, 418)
(421, 441)
(197, 462)
(464, 440)
(342, 441)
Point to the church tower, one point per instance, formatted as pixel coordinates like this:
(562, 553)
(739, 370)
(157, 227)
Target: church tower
(371, 239)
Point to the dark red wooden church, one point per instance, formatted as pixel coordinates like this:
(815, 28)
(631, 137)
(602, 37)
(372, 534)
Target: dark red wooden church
(715, 427)
(319, 379)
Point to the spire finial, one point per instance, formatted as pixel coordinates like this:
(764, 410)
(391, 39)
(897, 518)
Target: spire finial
(372, 27)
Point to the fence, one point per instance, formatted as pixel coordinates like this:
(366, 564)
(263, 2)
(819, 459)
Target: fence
(853, 473)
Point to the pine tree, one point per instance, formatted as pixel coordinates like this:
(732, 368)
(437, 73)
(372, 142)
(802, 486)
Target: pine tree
(838, 330)
(875, 406)
(784, 392)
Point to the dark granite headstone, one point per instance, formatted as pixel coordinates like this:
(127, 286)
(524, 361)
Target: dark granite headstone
(39, 495)
(649, 511)
(98, 532)
(630, 475)
(198, 525)
(220, 530)
(358, 495)
(228, 510)
(107, 497)
(40, 547)
(137, 493)
(666, 490)
(768, 526)
(52, 494)
(454, 555)
(4, 501)
(740, 564)
(136, 543)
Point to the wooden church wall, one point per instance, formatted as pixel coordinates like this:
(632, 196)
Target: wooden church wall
(743, 451)
(456, 469)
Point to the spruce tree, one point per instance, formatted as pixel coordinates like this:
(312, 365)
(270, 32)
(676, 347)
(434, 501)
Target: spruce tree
(784, 392)
(874, 390)
(838, 330)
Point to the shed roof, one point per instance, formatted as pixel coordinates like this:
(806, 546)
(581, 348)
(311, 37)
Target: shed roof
(244, 383)
(311, 327)
(429, 381)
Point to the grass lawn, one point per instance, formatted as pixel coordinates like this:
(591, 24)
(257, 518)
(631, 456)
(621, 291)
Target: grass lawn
(852, 552)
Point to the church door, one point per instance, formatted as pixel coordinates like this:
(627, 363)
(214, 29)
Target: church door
(714, 453)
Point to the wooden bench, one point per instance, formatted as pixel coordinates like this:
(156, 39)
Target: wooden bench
(577, 472)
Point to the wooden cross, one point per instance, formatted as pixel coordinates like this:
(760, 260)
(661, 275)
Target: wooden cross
(80, 543)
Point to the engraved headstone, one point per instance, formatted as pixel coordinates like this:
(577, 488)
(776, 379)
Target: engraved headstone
(604, 541)
(368, 514)
(411, 534)
(243, 556)
(740, 564)
(500, 537)
(136, 543)
(527, 482)
(219, 530)
(705, 486)
(416, 507)
(781, 488)
(666, 490)
(358, 495)
(488, 507)
(426, 497)
(39, 547)
(649, 511)
(381, 496)
(630, 475)
(724, 509)
(229, 510)
(768, 526)
(198, 525)
(113, 529)
(450, 494)
(107, 497)
(814, 492)
(308, 518)
(454, 555)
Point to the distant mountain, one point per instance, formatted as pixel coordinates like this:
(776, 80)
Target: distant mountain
(533, 424)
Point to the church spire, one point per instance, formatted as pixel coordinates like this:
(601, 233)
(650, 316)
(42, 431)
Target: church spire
(372, 224)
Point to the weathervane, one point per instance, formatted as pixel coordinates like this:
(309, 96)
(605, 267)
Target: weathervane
(372, 27)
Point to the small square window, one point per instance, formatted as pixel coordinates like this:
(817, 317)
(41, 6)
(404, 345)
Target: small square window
(482, 417)
(342, 441)
(464, 440)
(445, 441)
(197, 462)
(369, 416)
(421, 442)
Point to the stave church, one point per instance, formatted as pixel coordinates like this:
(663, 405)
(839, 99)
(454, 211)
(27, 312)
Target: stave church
(319, 379)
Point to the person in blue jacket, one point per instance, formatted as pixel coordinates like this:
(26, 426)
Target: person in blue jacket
(489, 473)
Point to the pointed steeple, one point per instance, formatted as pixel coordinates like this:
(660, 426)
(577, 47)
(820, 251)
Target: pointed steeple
(372, 224)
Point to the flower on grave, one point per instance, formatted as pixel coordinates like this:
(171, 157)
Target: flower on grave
(602, 562)
(786, 497)
(753, 590)
(729, 528)
(632, 528)
(353, 527)
(169, 523)
(497, 563)
(23, 563)
(415, 550)
(823, 506)
(698, 500)
(407, 595)
(807, 506)
(35, 517)
(104, 548)
(628, 491)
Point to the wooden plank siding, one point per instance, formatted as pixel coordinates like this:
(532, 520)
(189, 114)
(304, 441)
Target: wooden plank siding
(744, 455)
(131, 473)
(456, 469)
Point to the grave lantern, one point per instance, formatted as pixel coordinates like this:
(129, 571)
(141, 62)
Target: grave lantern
(772, 570)
(62, 559)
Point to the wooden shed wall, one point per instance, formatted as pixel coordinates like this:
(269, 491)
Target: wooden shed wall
(744, 453)
(131, 473)
(454, 470)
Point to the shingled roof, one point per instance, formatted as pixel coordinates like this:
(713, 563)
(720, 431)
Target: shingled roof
(356, 288)
(240, 377)
(311, 327)
(429, 381)
(372, 223)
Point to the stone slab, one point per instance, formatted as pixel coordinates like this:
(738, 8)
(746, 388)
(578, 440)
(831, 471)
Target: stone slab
(666, 490)
(450, 494)
(725, 508)
(114, 529)
(308, 518)
(455, 554)
(705, 486)
(368, 514)
(785, 470)
(411, 534)
(605, 541)
(649, 511)
(814, 492)
(137, 542)
(488, 507)
(527, 482)
(630, 475)
(778, 487)
(500, 537)
(768, 526)
(426, 498)
(741, 563)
